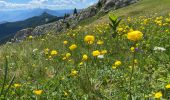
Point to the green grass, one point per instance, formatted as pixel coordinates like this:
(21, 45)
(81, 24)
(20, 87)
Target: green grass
(94, 79)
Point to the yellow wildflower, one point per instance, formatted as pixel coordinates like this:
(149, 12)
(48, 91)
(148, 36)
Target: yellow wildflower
(38, 92)
(100, 42)
(135, 61)
(103, 51)
(74, 72)
(168, 86)
(85, 57)
(89, 39)
(54, 52)
(46, 51)
(73, 47)
(114, 67)
(30, 37)
(65, 42)
(120, 29)
(135, 35)
(65, 93)
(64, 58)
(17, 85)
(118, 63)
(49, 57)
(68, 55)
(132, 49)
(158, 95)
(81, 63)
(96, 53)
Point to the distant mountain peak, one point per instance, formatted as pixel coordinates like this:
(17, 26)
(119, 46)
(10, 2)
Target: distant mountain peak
(45, 14)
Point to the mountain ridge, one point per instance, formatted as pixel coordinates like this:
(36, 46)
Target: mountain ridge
(9, 29)
(20, 15)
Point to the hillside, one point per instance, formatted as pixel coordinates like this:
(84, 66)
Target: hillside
(95, 60)
(8, 30)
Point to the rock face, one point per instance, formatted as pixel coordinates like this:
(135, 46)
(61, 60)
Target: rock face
(73, 20)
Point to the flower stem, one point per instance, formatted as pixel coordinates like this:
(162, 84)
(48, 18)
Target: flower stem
(132, 72)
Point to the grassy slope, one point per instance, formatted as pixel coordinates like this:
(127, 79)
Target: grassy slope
(144, 7)
(96, 79)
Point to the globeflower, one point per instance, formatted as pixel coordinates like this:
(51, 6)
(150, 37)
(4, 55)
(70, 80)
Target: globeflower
(103, 51)
(158, 95)
(38, 92)
(30, 37)
(65, 42)
(17, 85)
(100, 42)
(118, 63)
(73, 47)
(46, 50)
(54, 52)
(132, 49)
(65, 93)
(135, 35)
(96, 53)
(68, 55)
(85, 57)
(168, 86)
(89, 39)
(74, 72)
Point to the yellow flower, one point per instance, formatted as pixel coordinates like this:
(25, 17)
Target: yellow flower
(64, 58)
(46, 51)
(114, 67)
(65, 42)
(132, 49)
(74, 35)
(30, 37)
(54, 52)
(103, 51)
(68, 55)
(100, 42)
(120, 29)
(38, 92)
(158, 95)
(85, 57)
(81, 63)
(17, 85)
(96, 53)
(89, 39)
(134, 35)
(65, 93)
(62, 78)
(33, 65)
(118, 63)
(73, 47)
(168, 86)
(74, 72)
(49, 57)
(135, 61)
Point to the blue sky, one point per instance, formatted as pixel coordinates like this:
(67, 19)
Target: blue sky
(50, 4)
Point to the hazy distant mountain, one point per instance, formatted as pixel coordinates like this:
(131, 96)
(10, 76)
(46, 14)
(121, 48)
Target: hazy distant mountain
(3, 22)
(8, 29)
(19, 15)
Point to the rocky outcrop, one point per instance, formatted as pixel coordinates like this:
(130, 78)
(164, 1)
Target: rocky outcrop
(23, 33)
(73, 20)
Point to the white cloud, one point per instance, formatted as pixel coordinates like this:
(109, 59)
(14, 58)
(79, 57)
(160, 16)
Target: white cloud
(51, 4)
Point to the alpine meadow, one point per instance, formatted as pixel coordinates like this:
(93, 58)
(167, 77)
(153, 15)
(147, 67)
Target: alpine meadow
(118, 54)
